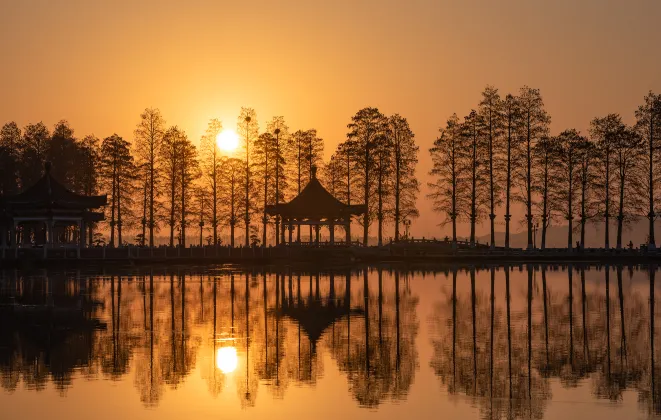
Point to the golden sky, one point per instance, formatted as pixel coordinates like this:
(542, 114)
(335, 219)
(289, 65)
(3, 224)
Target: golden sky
(98, 64)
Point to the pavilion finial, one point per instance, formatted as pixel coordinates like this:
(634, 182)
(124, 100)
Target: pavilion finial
(314, 171)
(47, 167)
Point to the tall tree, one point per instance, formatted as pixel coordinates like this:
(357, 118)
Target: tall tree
(405, 158)
(365, 132)
(383, 171)
(211, 158)
(534, 125)
(511, 121)
(566, 173)
(544, 153)
(587, 155)
(118, 172)
(148, 139)
(448, 175)
(345, 192)
(491, 113)
(232, 176)
(10, 138)
(263, 151)
(248, 129)
(32, 149)
(605, 131)
(88, 171)
(169, 163)
(473, 161)
(62, 153)
(188, 172)
(280, 131)
(648, 126)
(628, 151)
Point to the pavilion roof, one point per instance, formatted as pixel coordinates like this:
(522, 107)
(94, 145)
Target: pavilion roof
(315, 202)
(47, 192)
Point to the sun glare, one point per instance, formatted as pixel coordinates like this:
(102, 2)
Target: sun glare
(227, 140)
(226, 359)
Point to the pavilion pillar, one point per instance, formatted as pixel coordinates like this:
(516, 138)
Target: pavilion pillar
(317, 228)
(347, 229)
(12, 234)
(298, 233)
(282, 230)
(49, 230)
(291, 231)
(331, 229)
(81, 233)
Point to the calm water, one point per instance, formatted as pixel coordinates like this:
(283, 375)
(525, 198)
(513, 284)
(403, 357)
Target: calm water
(383, 342)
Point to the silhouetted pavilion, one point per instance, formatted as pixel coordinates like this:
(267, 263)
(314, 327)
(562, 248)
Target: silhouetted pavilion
(44, 214)
(316, 207)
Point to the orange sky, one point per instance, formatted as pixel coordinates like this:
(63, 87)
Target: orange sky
(98, 64)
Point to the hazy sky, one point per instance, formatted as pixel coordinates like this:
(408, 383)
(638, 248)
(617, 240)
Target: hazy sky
(99, 63)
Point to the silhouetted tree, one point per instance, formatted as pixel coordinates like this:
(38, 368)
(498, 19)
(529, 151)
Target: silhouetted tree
(263, 150)
(449, 176)
(365, 132)
(61, 151)
(10, 138)
(248, 129)
(189, 171)
(169, 156)
(587, 156)
(405, 158)
(648, 126)
(32, 148)
(491, 113)
(604, 131)
(534, 125)
(474, 162)
(210, 160)
(148, 140)
(280, 131)
(544, 153)
(511, 121)
(383, 170)
(88, 159)
(566, 174)
(628, 152)
(118, 172)
(232, 175)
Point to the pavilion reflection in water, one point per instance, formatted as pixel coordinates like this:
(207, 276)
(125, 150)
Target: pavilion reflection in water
(505, 359)
(164, 326)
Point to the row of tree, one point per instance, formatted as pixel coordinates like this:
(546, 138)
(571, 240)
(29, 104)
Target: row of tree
(503, 153)
(161, 179)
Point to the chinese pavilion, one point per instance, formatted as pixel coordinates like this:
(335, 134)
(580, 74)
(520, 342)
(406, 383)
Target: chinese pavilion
(315, 207)
(47, 214)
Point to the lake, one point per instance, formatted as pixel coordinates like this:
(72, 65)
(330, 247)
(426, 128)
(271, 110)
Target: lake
(392, 342)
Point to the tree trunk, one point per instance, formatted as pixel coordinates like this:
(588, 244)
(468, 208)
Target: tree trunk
(492, 215)
(570, 215)
(606, 215)
(546, 201)
(529, 186)
(366, 196)
(620, 214)
(508, 186)
(651, 244)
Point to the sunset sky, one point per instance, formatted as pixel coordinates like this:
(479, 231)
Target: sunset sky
(98, 64)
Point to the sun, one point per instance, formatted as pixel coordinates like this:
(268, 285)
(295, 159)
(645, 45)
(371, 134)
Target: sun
(227, 140)
(226, 359)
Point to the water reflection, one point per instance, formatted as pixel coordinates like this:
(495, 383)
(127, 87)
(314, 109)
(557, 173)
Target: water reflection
(504, 338)
(246, 330)
(505, 359)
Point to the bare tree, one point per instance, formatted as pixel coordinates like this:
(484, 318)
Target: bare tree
(118, 174)
(566, 173)
(279, 154)
(648, 126)
(365, 131)
(534, 125)
(629, 151)
(32, 149)
(210, 165)
(587, 156)
(491, 113)
(88, 172)
(511, 121)
(472, 160)
(148, 139)
(169, 156)
(448, 175)
(10, 138)
(232, 176)
(248, 129)
(405, 158)
(188, 172)
(544, 153)
(605, 131)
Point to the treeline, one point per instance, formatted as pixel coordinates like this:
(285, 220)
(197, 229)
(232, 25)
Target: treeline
(503, 153)
(159, 180)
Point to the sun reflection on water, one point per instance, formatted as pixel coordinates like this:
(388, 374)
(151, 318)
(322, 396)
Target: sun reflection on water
(227, 359)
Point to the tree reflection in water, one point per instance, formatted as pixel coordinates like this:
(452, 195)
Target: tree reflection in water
(504, 363)
(57, 326)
